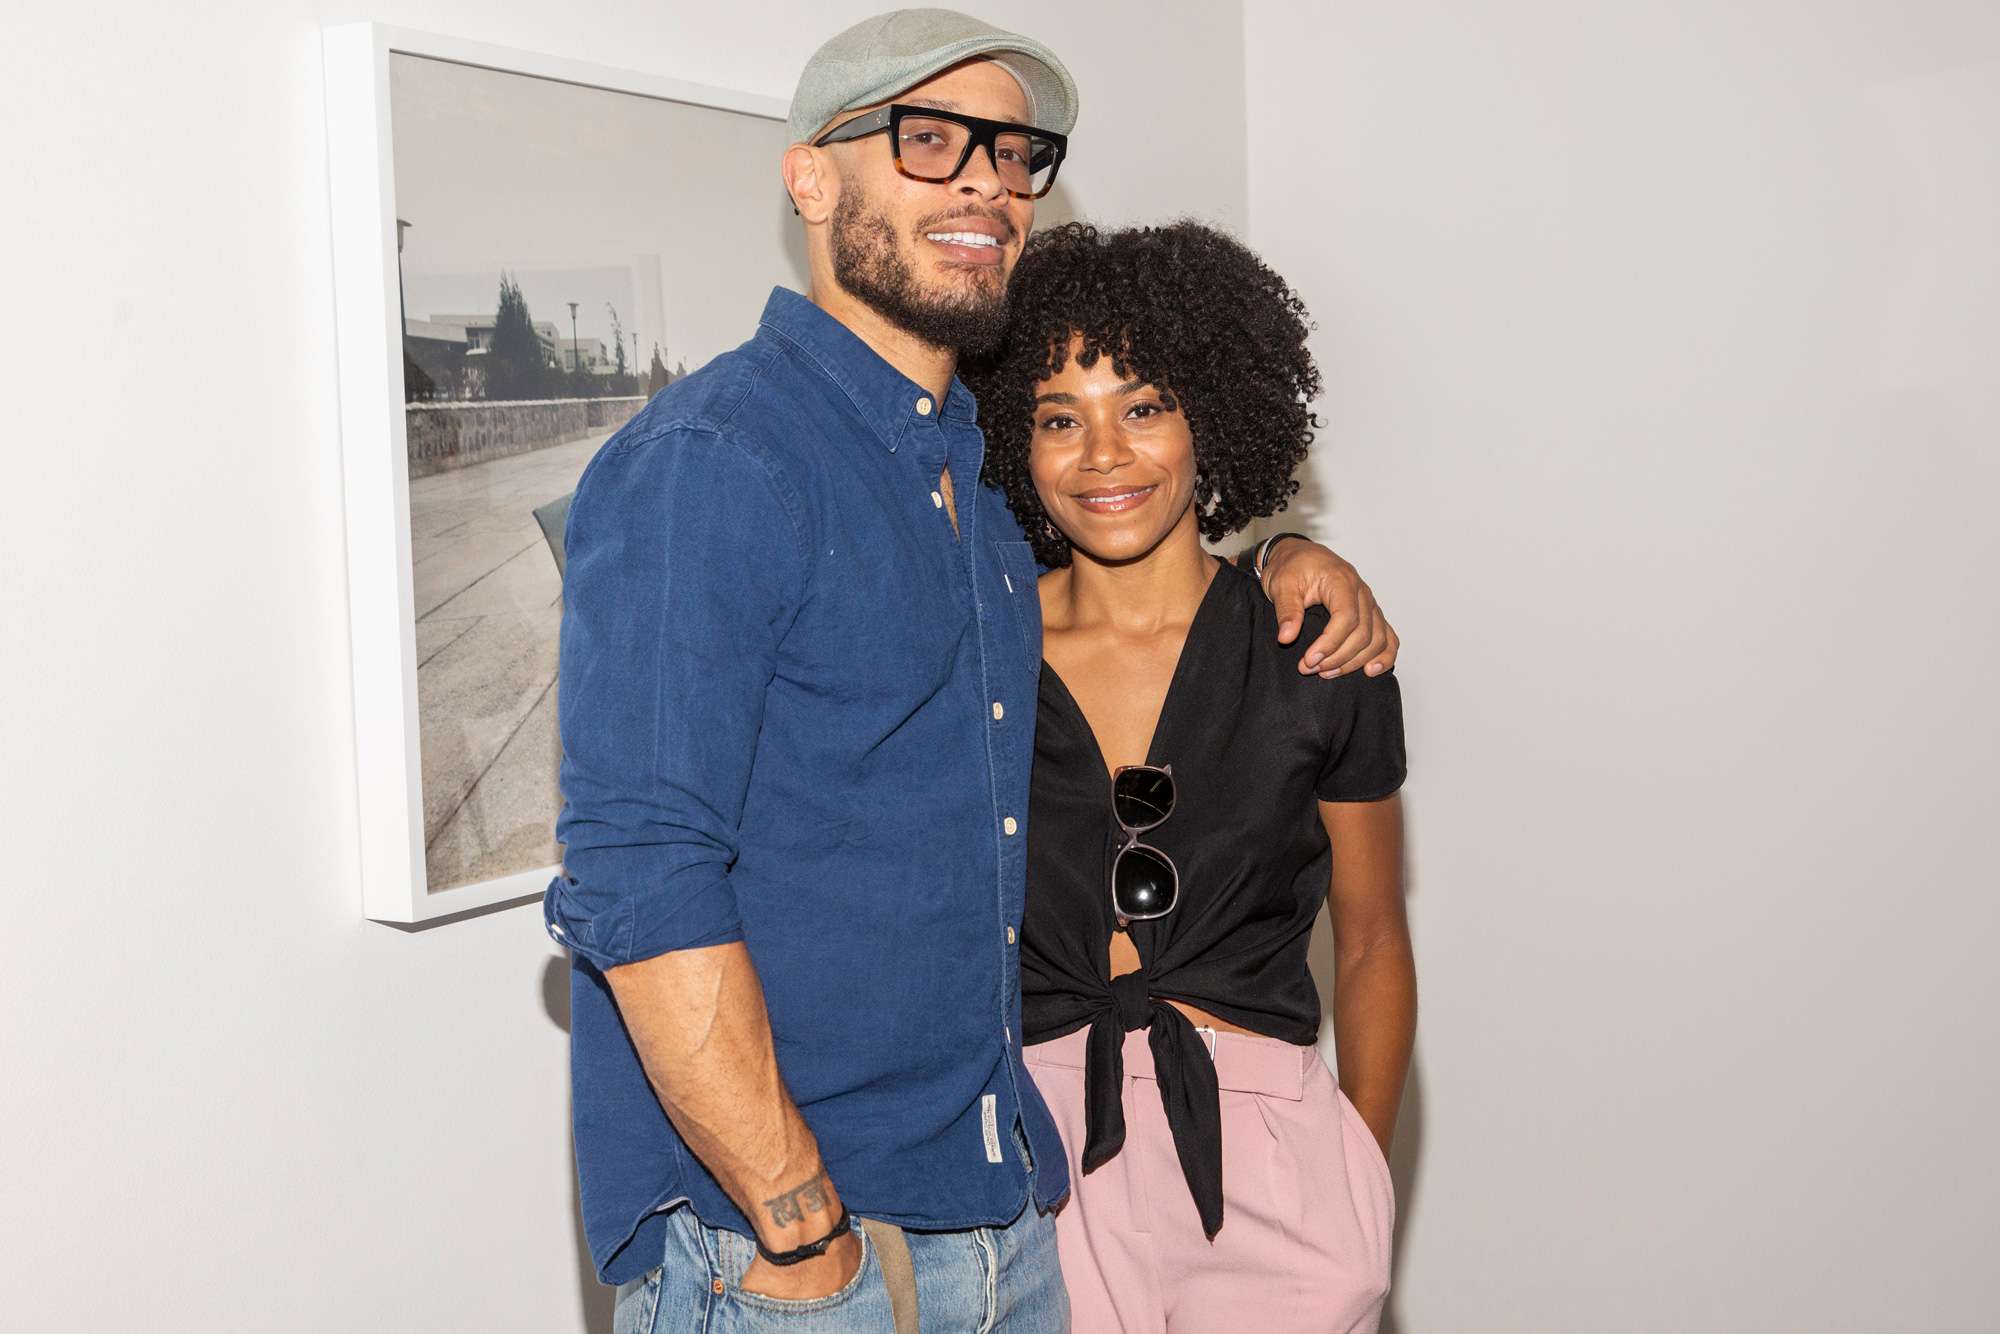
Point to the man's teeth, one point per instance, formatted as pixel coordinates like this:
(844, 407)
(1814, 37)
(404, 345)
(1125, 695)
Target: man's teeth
(963, 238)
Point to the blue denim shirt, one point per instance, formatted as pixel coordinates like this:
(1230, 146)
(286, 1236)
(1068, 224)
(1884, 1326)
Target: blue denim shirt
(799, 712)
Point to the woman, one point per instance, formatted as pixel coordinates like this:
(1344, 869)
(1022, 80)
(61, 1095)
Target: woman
(1195, 800)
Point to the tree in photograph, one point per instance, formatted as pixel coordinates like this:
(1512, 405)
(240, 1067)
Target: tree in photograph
(418, 385)
(573, 379)
(657, 377)
(516, 366)
(617, 341)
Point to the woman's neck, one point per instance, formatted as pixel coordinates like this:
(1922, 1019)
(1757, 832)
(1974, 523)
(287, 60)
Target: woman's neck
(1135, 597)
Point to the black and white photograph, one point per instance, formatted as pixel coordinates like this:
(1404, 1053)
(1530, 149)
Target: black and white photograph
(564, 253)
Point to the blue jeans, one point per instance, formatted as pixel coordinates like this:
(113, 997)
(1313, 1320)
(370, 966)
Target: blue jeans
(1002, 1279)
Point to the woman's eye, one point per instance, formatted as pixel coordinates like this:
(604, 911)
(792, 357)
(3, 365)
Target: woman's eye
(1144, 410)
(1056, 423)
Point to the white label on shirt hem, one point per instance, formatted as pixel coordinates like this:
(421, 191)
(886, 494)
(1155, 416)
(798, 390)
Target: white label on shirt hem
(989, 1125)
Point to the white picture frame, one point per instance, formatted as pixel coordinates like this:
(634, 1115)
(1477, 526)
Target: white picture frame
(374, 448)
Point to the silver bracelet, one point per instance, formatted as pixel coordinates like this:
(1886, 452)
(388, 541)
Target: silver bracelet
(1264, 551)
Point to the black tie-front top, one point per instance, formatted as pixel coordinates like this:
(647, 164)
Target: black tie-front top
(1254, 746)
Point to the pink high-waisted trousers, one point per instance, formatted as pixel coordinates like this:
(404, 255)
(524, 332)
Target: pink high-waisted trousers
(1308, 1207)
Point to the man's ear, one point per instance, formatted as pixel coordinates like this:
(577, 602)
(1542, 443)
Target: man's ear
(811, 182)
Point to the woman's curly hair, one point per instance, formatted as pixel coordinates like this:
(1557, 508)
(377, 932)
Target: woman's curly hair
(1182, 306)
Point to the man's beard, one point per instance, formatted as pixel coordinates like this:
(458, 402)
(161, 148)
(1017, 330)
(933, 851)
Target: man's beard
(868, 264)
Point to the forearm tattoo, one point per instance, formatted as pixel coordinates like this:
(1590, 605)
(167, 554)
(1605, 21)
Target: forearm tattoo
(815, 1196)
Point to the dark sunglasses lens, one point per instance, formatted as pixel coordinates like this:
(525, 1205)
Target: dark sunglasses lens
(1143, 797)
(1142, 883)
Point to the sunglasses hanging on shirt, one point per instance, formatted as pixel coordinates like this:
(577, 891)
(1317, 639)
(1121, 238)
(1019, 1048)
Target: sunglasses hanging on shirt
(1145, 883)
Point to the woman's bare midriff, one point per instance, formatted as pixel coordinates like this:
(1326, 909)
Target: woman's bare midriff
(1125, 959)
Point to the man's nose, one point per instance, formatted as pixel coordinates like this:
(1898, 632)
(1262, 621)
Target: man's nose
(981, 175)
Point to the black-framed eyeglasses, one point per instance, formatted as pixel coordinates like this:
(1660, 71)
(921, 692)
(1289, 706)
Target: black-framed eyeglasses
(933, 145)
(1145, 883)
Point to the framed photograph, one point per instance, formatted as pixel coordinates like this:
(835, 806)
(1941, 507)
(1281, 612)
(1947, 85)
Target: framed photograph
(525, 249)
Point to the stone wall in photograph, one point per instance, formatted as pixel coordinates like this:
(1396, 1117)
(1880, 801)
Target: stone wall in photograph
(444, 436)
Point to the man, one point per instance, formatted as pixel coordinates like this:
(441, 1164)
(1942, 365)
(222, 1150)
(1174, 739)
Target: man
(799, 657)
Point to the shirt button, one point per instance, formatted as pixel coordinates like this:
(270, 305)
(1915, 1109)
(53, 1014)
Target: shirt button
(937, 501)
(998, 712)
(1010, 935)
(1009, 825)
(923, 407)
(555, 931)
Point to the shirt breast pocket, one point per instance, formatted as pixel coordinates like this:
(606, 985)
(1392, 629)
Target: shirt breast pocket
(1018, 576)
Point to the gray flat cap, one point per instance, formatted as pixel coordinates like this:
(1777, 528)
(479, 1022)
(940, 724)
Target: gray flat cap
(879, 57)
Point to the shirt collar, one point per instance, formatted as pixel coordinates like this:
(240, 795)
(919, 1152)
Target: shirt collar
(890, 401)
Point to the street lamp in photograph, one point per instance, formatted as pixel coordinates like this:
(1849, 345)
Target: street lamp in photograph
(574, 352)
(402, 306)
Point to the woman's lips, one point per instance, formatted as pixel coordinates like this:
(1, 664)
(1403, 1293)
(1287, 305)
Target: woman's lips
(1116, 501)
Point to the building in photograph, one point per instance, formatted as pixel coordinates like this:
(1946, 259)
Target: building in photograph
(479, 334)
(434, 360)
(476, 335)
(585, 354)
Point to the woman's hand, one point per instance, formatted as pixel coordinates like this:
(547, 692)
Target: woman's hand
(1298, 574)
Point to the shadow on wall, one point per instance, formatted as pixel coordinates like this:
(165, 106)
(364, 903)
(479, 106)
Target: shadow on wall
(792, 237)
(1057, 207)
(1311, 510)
(1403, 1170)
(594, 1300)
(1406, 1156)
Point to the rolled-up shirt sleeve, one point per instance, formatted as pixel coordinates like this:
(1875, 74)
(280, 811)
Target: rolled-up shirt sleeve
(685, 568)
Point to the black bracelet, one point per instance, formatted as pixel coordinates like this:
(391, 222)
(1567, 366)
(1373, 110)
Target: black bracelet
(812, 1249)
(1264, 551)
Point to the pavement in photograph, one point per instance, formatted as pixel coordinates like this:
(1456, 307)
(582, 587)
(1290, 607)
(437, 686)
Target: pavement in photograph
(489, 608)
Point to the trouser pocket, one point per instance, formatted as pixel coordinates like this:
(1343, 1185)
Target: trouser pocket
(861, 1304)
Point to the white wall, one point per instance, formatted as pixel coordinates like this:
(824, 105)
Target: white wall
(228, 1102)
(1662, 408)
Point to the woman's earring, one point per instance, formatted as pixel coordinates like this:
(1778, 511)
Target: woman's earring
(1051, 532)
